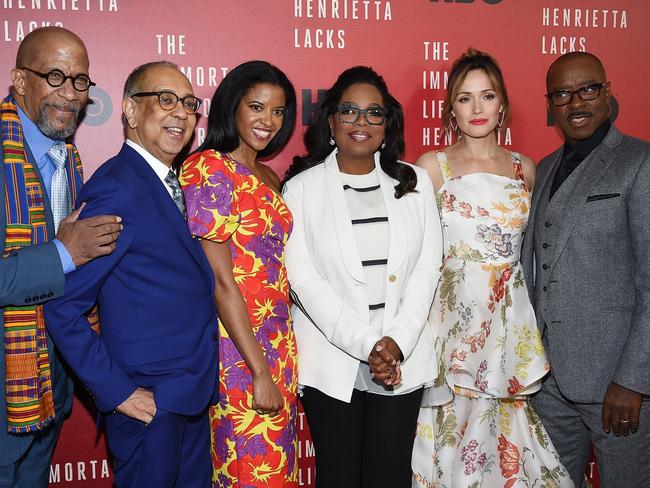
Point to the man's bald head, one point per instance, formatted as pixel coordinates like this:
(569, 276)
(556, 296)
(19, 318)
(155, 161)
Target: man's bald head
(39, 38)
(54, 109)
(572, 58)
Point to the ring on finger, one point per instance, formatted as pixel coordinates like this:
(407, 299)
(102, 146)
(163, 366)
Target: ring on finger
(625, 421)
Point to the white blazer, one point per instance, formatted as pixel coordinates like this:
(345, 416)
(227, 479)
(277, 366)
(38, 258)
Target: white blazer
(327, 280)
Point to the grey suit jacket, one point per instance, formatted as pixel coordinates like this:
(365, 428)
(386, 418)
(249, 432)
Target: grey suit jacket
(31, 275)
(586, 257)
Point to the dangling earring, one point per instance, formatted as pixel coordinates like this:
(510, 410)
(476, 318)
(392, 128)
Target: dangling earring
(502, 117)
(383, 145)
(332, 142)
(451, 123)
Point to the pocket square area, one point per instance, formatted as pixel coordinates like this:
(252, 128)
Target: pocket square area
(604, 196)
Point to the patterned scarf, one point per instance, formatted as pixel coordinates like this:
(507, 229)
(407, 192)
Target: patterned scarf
(30, 406)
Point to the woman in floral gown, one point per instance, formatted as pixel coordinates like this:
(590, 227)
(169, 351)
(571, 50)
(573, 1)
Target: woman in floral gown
(234, 207)
(476, 427)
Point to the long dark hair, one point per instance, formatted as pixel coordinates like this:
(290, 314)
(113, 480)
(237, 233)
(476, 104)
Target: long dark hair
(222, 133)
(318, 133)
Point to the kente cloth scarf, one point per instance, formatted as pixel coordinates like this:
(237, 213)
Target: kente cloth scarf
(30, 406)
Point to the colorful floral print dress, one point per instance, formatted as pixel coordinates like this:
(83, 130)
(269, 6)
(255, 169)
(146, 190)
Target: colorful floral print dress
(225, 201)
(476, 428)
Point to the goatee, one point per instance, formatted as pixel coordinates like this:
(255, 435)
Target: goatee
(46, 127)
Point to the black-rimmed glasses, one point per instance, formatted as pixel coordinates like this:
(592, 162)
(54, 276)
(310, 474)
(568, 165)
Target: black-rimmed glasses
(586, 93)
(55, 78)
(349, 114)
(168, 100)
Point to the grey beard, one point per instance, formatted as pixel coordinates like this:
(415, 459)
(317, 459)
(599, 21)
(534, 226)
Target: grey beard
(44, 125)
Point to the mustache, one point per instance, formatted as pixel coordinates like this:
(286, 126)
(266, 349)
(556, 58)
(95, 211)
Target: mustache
(579, 113)
(67, 106)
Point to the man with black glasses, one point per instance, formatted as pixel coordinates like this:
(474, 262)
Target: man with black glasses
(587, 262)
(42, 239)
(153, 369)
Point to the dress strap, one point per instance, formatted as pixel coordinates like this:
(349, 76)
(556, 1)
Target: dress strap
(445, 170)
(519, 169)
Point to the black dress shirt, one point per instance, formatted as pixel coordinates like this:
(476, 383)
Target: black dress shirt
(574, 154)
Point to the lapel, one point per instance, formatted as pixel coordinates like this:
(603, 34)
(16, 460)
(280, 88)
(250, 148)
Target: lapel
(342, 220)
(396, 231)
(163, 201)
(594, 166)
(544, 181)
(49, 219)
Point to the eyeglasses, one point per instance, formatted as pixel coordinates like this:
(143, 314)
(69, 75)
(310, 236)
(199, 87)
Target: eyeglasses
(55, 78)
(349, 114)
(168, 100)
(586, 93)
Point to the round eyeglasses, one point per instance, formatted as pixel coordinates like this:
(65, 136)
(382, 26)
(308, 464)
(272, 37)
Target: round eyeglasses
(168, 100)
(55, 78)
(349, 114)
(586, 93)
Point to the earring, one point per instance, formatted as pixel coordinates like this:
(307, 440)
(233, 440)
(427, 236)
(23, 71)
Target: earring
(332, 142)
(383, 145)
(502, 117)
(451, 124)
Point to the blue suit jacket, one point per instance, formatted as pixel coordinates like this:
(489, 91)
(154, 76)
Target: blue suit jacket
(30, 276)
(155, 295)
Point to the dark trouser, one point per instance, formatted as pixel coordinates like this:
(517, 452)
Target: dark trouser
(365, 443)
(574, 427)
(32, 468)
(172, 451)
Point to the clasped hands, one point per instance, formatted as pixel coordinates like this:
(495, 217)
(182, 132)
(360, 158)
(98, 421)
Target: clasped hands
(385, 361)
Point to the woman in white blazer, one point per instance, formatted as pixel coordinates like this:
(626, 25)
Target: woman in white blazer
(363, 262)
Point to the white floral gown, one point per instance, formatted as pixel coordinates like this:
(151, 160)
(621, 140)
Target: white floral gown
(476, 427)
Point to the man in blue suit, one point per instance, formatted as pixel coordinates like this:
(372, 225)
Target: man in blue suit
(39, 177)
(153, 368)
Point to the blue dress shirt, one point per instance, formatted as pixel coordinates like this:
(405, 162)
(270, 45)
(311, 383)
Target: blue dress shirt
(39, 144)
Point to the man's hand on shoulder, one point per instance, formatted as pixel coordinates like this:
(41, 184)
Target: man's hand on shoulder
(621, 408)
(140, 406)
(89, 238)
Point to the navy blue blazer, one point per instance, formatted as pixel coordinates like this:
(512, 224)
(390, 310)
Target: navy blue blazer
(155, 295)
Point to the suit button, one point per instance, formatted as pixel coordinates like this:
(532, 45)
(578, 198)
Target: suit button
(43, 297)
(50, 294)
(544, 288)
(547, 224)
(215, 337)
(545, 245)
(392, 278)
(544, 266)
(28, 300)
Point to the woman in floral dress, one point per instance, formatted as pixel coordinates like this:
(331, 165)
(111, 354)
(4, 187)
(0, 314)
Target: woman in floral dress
(476, 427)
(234, 207)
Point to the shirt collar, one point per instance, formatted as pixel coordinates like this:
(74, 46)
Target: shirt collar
(160, 168)
(583, 148)
(38, 142)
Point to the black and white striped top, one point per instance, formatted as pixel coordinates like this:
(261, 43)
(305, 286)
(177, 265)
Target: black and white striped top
(370, 228)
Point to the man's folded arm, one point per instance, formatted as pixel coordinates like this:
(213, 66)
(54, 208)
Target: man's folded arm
(65, 318)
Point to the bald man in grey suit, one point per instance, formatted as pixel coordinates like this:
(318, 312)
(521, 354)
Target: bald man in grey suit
(587, 263)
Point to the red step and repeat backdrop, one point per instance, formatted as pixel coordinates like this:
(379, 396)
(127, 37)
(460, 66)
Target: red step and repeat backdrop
(411, 42)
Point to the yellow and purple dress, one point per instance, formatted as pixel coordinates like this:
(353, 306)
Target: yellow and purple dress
(225, 201)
